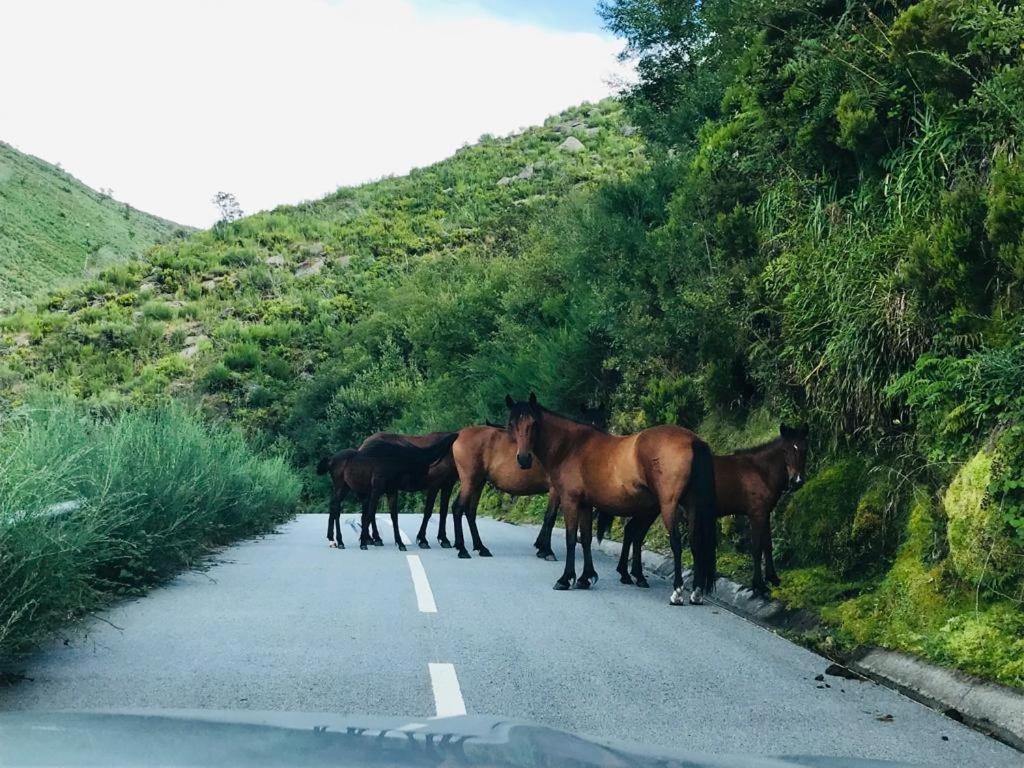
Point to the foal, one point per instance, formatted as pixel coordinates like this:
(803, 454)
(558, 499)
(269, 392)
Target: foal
(440, 479)
(651, 472)
(748, 482)
(379, 468)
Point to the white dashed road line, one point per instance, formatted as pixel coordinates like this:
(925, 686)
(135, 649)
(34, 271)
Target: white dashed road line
(424, 595)
(447, 694)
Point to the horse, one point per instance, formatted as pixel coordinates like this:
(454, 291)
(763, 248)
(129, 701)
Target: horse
(379, 468)
(486, 454)
(441, 479)
(748, 482)
(653, 471)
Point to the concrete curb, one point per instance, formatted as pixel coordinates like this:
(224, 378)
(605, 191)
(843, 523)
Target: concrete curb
(993, 709)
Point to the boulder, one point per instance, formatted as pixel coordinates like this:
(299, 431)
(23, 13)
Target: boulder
(277, 260)
(572, 145)
(309, 267)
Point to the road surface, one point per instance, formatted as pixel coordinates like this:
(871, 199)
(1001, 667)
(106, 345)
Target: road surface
(285, 623)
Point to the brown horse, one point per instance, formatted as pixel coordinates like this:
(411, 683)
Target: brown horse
(749, 482)
(379, 468)
(440, 479)
(488, 455)
(651, 472)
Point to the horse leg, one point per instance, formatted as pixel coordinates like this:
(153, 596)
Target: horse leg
(428, 508)
(334, 518)
(393, 507)
(627, 537)
(543, 542)
(639, 534)
(570, 514)
(377, 540)
(364, 536)
(467, 500)
(766, 543)
(586, 526)
(446, 496)
(670, 517)
(478, 545)
(756, 551)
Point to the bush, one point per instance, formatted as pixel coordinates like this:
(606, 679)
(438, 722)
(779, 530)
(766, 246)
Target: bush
(158, 310)
(982, 547)
(815, 527)
(242, 357)
(92, 507)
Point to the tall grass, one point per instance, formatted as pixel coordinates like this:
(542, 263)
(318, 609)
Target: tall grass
(92, 507)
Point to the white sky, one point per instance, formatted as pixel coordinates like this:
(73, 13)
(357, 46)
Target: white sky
(169, 101)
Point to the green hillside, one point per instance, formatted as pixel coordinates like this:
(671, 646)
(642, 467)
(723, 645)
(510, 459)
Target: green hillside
(54, 229)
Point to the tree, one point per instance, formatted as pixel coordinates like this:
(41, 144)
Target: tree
(228, 206)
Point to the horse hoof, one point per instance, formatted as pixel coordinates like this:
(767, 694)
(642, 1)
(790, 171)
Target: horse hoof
(642, 582)
(401, 548)
(445, 544)
(624, 579)
(363, 546)
(340, 545)
(697, 597)
(561, 586)
(464, 555)
(423, 544)
(378, 542)
(583, 584)
(678, 597)
(484, 552)
(550, 557)
(331, 544)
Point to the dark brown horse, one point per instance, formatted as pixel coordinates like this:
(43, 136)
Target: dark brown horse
(651, 472)
(440, 479)
(379, 468)
(749, 482)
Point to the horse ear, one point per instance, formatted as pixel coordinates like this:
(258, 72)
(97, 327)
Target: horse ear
(785, 431)
(509, 401)
(533, 398)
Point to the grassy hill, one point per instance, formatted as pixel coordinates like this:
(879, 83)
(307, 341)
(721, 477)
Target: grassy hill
(54, 229)
(244, 314)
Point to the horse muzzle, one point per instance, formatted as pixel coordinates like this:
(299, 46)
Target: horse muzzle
(525, 460)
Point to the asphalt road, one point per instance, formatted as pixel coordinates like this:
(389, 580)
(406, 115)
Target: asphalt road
(285, 623)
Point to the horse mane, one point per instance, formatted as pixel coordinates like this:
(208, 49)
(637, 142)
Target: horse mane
(574, 420)
(757, 448)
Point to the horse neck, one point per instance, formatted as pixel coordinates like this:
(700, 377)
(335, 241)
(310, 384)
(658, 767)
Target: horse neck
(556, 437)
(771, 459)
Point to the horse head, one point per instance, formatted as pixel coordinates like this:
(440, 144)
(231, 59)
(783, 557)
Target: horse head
(523, 423)
(795, 452)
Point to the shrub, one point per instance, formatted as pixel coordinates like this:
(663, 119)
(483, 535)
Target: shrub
(92, 506)
(815, 527)
(158, 310)
(982, 547)
(242, 357)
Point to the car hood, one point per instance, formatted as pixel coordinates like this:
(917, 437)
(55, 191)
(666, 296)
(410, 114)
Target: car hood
(249, 738)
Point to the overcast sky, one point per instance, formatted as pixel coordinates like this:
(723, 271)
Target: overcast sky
(169, 101)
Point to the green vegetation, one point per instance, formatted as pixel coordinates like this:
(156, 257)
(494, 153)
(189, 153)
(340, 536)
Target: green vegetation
(150, 491)
(819, 219)
(54, 229)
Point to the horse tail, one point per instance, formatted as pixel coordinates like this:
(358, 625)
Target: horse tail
(604, 524)
(326, 465)
(705, 533)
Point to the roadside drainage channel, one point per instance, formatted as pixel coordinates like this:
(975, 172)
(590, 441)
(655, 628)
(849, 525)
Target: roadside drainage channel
(993, 709)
